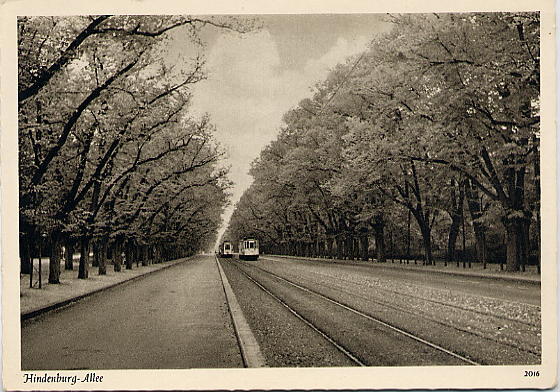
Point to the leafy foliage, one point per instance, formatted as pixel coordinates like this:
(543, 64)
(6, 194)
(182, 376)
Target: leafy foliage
(443, 108)
(109, 150)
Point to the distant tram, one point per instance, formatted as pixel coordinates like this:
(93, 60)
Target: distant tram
(226, 249)
(249, 249)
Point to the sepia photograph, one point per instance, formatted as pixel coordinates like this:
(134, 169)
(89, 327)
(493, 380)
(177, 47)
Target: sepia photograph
(258, 199)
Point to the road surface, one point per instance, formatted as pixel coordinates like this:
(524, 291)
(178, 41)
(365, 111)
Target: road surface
(300, 313)
(468, 319)
(173, 318)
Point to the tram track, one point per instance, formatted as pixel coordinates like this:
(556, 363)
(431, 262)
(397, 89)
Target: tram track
(431, 350)
(274, 259)
(513, 323)
(485, 342)
(418, 313)
(430, 300)
(340, 348)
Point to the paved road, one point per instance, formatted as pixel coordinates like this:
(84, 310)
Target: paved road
(179, 318)
(174, 318)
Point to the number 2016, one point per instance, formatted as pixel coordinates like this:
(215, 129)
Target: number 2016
(531, 373)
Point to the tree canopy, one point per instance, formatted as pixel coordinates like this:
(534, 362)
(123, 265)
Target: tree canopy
(437, 121)
(110, 152)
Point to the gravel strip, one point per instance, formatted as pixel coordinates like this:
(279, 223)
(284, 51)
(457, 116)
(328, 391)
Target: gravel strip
(474, 325)
(283, 339)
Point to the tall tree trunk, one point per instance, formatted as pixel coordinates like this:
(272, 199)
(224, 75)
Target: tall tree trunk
(69, 256)
(103, 241)
(481, 248)
(330, 250)
(379, 236)
(117, 256)
(408, 238)
(339, 247)
(456, 214)
(537, 207)
(512, 246)
(349, 246)
(144, 255)
(129, 254)
(152, 256)
(25, 254)
(83, 268)
(452, 239)
(523, 233)
(136, 254)
(391, 249)
(54, 261)
(96, 253)
(476, 211)
(364, 246)
(427, 242)
(156, 253)
(356, 245)
(517, 220)
(421, 213)
(464, 257)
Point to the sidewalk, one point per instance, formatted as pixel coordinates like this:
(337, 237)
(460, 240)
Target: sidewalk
(34, 301)
(492, 271)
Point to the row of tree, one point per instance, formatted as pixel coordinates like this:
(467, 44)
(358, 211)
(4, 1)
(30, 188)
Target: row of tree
(111, 160)
(435, 127)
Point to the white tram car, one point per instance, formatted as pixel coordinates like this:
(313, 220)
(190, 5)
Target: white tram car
(249, 249)
(226, 249)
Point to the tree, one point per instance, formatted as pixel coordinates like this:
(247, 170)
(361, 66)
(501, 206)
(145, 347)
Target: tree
(431, 115)
(99, 108)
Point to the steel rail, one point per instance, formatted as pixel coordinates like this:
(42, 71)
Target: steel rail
(369, 317)
(426, 317)
(339, 347)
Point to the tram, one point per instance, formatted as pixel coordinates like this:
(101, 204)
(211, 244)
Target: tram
(248, 249)
(226, 249)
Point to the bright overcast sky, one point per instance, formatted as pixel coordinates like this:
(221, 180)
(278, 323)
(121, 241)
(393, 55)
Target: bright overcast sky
(253, 79)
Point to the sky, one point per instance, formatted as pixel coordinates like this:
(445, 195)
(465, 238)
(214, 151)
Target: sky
(254, 78)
